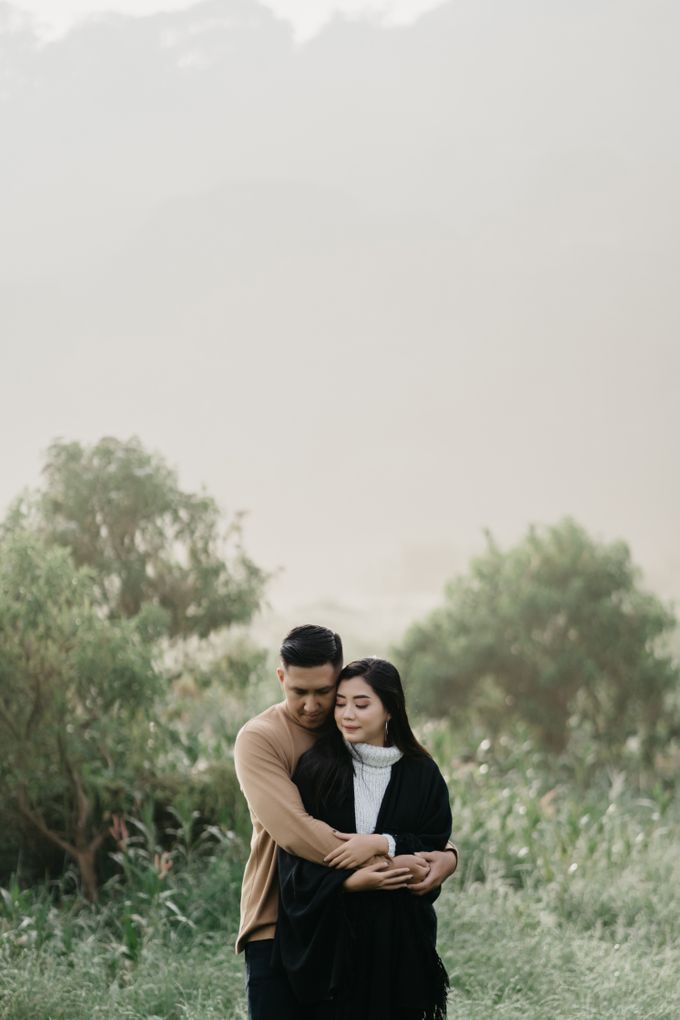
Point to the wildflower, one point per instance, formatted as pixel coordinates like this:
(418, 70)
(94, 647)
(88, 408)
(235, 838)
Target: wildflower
(119, 831)
(162, 863)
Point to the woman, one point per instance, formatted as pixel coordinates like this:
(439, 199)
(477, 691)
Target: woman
(358, 944)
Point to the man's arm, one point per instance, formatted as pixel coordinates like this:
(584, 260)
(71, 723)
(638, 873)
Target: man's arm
(275, 800)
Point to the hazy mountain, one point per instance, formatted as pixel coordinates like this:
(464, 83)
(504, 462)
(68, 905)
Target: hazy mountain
(383, 289)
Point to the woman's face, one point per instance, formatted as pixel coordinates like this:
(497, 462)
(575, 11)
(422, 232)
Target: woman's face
(359, 713)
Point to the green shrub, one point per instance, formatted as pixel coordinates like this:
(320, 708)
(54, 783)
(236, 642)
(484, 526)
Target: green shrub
(558, 634)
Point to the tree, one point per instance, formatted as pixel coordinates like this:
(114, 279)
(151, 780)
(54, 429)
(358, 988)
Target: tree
(107, 558)
(77, 697)
(554, 632)
(120, 512)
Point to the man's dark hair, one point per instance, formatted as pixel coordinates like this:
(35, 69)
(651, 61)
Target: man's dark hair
(308, 646)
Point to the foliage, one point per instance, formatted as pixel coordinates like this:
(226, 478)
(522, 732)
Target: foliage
(77, 698)
(97, 714)
(237, 669)
(566, 905)
(141, 950)
(120, 511)
(215, 693)
(556, 632)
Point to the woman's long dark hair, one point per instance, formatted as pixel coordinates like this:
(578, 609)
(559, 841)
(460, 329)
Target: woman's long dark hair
(328, 765)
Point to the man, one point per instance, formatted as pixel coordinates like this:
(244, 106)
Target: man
(266, 754)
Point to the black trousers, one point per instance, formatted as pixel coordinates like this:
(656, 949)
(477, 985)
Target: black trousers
(270, 997)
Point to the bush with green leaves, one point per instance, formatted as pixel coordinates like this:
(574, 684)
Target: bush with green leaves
(558, 633)
(78, 697)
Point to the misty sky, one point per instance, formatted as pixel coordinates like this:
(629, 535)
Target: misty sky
(306, 17)
(381, 290)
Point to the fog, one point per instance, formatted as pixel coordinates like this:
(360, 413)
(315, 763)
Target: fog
(380, 286)
(53, 18)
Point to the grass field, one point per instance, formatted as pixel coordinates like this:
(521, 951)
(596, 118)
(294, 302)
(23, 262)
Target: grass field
(567, 905)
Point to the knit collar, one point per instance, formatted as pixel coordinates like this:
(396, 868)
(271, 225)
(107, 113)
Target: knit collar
(374, 756)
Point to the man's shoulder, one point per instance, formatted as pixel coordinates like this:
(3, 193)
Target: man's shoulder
(264, 720)
(266, 742)
(266, 726)
(270, 727)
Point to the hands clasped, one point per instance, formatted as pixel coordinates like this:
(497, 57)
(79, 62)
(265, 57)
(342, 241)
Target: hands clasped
(405, 870)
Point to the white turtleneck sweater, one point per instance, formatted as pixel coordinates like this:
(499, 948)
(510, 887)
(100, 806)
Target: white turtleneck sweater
(372, 770)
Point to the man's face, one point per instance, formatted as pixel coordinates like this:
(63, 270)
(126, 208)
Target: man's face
(309, 692)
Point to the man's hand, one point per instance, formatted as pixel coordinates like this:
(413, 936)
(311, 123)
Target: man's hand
(356, 849)
(442, 863)
(377, 876)
(418, 868)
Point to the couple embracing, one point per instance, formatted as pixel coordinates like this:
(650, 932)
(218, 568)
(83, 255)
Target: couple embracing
(350, 845)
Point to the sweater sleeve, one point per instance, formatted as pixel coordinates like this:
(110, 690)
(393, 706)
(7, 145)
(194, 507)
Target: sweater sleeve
(274, 799)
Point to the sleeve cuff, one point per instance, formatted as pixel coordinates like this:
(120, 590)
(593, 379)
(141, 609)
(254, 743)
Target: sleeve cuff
(391, 844)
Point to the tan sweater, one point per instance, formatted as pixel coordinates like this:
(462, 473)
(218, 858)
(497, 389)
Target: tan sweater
(266, 753)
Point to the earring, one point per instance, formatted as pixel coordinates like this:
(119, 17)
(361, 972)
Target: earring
(387, 723)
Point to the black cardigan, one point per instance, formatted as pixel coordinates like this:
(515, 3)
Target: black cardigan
(367, 954)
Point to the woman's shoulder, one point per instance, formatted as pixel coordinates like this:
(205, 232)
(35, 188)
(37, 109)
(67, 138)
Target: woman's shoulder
(422, 766)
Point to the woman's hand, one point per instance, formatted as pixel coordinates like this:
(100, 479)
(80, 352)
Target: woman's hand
(356, 850)
(378, 876)
(418, 867)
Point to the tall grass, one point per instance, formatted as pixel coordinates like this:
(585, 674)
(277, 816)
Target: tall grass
(567, 905)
